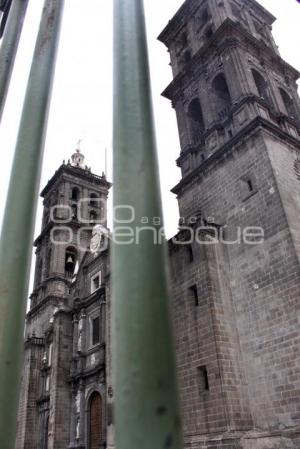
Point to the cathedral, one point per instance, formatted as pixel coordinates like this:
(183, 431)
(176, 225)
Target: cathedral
(234, 264)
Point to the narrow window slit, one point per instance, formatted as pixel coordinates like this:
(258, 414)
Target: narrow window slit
(203, 378)
(194, 292)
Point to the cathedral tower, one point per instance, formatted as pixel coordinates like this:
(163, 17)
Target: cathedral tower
(74, 201)
(236, 303)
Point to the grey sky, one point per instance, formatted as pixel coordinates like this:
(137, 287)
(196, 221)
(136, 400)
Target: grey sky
(81, 105)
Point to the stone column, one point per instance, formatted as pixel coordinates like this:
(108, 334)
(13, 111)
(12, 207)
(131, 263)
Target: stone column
(75, 334)
(205, 101)
(81, 347)
(85, 205)
(182, 122)
(81, 409)
(236, 69)
(103, 320)
(73, 418)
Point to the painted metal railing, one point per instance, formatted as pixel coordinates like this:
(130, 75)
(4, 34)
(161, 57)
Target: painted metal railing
(9, 46)
(19, 217)
(146, 405)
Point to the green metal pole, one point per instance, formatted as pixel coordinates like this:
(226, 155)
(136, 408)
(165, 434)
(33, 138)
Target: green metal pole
(144, 373)
(19, 218)
(9, 46)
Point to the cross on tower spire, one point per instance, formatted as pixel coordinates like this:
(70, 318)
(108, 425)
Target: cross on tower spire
(78, 157)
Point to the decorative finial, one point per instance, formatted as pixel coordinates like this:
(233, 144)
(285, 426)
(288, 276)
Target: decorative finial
(78, 157)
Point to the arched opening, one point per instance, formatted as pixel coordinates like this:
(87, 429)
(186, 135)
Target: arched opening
(205, 15)
(187, 56)
(93, 216)
(70, 262)
(221, 95)
(288, 103)
(196, 122)
(95, 421)
(262, 87)
(94, 200)
(75, 194)
(209, 32)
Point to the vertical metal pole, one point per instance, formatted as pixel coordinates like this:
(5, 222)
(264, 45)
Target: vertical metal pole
(19, 218)
(9, 46)
(144, 373)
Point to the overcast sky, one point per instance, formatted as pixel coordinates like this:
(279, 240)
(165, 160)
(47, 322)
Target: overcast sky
(82, 99)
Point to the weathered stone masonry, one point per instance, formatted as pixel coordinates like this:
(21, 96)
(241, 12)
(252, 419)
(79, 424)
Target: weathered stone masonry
(235, 303)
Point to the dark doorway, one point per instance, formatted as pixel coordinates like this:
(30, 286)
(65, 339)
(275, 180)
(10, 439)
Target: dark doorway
(95, 421)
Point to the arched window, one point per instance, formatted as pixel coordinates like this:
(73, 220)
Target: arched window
(196, 122)
(70, 262)
(187, 56)
(94, 200)
(95, 421)
(209, 32)
(205, 15)
(75, 194)
(93, 216)
(222, 98)
(262, 87)
(288, 103)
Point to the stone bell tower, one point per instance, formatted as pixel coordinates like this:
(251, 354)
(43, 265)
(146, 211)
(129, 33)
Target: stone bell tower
(236, 306)
(74, 201)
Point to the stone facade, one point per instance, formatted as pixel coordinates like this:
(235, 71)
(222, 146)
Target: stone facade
(65, 374)
(235, 273)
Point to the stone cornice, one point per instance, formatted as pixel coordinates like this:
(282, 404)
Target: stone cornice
(78, 172)
(54, 277)
(258, 122)
(187, 11)
(233, 35)
(184, 235)
(87, 372)
(74, 224)
(184, 13)
(189, 149)
(98, 295)
(53, 300)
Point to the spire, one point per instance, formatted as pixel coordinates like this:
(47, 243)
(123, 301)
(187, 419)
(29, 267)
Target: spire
(78, 157)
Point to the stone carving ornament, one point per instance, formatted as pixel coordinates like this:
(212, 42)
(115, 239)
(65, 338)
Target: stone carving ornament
(99, 239)
(297, 167)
